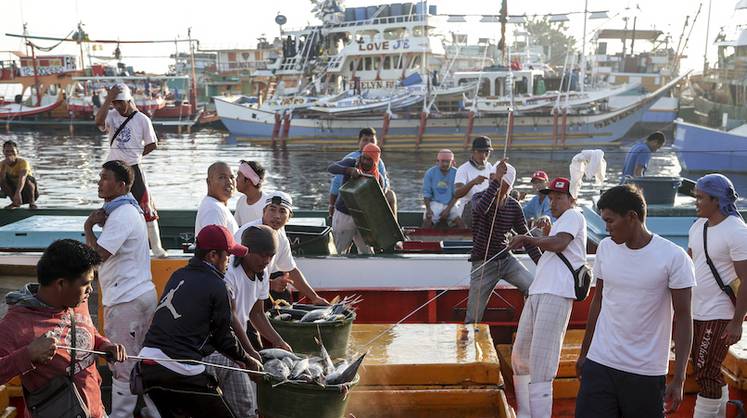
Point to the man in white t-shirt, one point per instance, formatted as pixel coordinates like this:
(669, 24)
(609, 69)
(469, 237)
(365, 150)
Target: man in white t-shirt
(213, 209)
(252, 200)
(131, 136)
(248, 284)
(643, 282)
(471, 177)
(718, 314)
(544, 318)
(277, 212)
(128, 293)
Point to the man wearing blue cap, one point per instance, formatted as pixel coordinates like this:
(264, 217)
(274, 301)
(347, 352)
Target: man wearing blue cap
(718, 247)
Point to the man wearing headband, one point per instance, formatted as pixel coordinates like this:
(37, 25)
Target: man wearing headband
(248, 283)
(365, 136)
(717, 320)
(438, 193)
(283, 269)
(489, 235)
(252, 200)
(344, 229)
(213, 209)
(131, 137)
(471, 176)
(194, 318)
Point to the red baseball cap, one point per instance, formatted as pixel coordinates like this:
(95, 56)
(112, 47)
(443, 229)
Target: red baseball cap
(217, 237)
(540, 175)
(558, 184)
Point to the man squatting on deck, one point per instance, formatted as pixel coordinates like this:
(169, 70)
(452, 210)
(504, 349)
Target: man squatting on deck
(131, 136)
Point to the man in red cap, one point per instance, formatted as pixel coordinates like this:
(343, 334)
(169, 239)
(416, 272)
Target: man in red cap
(192, 320)
(544, 318)
(539, 205)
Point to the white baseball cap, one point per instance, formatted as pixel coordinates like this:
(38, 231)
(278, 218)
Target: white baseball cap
(124, 92)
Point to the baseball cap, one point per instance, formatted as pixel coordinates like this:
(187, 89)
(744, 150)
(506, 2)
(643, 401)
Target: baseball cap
(540, 175)
(124, 92)
(481, 143)
(217, 237)
(558, 184)
(280, 198)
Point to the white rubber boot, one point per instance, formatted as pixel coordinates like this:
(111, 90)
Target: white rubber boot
(154, 237)
(706, 407)
(724, 400)
(123, 401)
(540, 399)
(521, 388)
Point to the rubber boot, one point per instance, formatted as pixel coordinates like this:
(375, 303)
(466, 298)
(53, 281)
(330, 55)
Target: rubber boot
(706, 407)
(123, 401)
(724, 400)
(521, 388)
(540, 399)
(154, 237)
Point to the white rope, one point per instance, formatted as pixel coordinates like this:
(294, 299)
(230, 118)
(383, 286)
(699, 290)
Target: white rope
(199, 362)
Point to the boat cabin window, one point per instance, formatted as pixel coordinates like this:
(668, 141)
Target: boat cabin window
(387, 63)
(360, 64)
(399, 61)
(418, 31)
(415, 62)
(367, 64)
(394, 34)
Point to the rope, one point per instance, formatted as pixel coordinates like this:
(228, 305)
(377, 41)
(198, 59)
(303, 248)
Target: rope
(374, 339)
(198, 362)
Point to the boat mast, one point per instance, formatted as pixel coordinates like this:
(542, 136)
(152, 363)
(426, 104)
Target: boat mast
(708, 29)
(583, 48)
(193, 83)
(425, 56)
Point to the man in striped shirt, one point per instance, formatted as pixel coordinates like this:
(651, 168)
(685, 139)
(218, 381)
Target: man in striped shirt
(495, 214)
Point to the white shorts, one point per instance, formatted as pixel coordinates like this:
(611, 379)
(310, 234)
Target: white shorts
(437, 208)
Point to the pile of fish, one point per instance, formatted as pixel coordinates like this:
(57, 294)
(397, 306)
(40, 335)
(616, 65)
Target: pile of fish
(338, 310)
(285, 367)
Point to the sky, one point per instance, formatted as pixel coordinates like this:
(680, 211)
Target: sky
(237, 24)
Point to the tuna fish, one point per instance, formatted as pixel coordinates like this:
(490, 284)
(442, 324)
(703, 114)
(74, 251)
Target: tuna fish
(277, 353)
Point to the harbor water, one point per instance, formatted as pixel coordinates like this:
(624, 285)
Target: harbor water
(67, 167)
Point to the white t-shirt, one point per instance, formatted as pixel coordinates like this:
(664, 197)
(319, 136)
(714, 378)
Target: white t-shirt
(283, 260)
(552, 276)
(727, 243)
(246, 213)
(214, 212)
(245, 292)
(125, 275)
(634, 328)
(129, 144)
(466, 172)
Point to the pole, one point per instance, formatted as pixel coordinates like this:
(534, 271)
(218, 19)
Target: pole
(36, 75)
(708, 29)
(583, 48)
(193, 86)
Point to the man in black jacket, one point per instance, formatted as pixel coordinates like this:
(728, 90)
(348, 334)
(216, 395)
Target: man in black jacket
(192, 320)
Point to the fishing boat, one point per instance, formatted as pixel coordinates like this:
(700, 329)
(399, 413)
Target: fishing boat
(379, 51)
(703, 149)
(20, 110)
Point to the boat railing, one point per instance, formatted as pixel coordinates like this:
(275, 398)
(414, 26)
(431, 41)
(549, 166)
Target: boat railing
(389, 20)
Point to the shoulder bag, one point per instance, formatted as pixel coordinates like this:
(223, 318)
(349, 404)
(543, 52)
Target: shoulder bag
(121, 127)
(732, 288)
(581, 278)
(60, 397)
